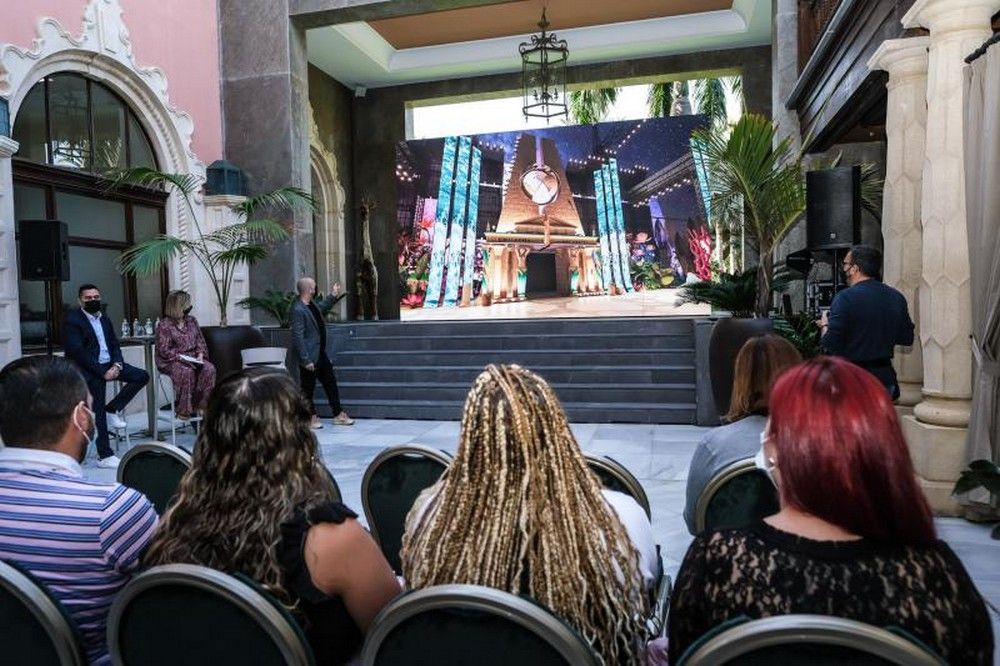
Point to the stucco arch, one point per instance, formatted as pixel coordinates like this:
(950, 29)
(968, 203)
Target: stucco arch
(329, 235)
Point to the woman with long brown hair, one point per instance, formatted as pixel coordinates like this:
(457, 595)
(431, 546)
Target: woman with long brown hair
(519, 510)
(257, 501)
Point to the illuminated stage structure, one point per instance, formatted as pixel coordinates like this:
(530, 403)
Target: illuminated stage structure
(538, 216)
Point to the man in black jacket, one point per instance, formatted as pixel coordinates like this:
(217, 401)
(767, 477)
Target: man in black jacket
(89, 340)
(868, 319)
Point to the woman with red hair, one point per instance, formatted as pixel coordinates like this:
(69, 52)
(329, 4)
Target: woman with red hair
(854, 537)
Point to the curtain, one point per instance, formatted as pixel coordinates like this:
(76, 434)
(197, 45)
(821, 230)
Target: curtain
(982, 156)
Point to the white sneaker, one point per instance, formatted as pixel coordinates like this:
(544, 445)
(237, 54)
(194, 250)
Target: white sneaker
(116, 422)
(111, 462)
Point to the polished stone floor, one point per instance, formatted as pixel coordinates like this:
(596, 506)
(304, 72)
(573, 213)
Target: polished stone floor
(657, 455)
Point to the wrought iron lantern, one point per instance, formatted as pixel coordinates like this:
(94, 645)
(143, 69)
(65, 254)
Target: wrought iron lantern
(224, 177)
(543, 74)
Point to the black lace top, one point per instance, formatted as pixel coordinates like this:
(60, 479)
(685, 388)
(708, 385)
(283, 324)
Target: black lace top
(332, 633)
(761, 571)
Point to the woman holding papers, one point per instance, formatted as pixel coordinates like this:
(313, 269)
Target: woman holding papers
(181, 353)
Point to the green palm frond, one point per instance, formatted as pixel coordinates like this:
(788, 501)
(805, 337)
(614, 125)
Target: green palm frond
(185, 183)
(980, 474)
(733, 293)
(282, 198)
(735, 85)
(661, 99)
(248, 254)
(277, 304)
(710, 99)
(591, 106)
(152, 255)
(253, 231)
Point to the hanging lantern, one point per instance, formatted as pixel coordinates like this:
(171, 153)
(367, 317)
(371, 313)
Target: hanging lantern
(543, 74)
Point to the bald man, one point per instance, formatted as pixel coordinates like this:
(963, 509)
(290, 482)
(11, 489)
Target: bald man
(309, 346)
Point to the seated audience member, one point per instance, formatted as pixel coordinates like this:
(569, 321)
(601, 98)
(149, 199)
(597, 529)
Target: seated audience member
(760, 361)
(519, 510)
(854, 537)
(89, 340)
(257, 500)
(81, 539)
(181, 354)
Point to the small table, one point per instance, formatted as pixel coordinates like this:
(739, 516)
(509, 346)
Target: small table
(148, 342)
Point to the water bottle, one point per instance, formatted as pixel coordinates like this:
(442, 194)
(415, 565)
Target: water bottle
(136, 328)
(125, 329)
(156, 325)
(149, 327)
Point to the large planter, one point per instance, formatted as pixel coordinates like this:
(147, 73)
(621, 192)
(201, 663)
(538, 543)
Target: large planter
(225, 344)
(728, 337)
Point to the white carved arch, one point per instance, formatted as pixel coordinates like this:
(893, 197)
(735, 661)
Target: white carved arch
(329, 195)
(103, 51)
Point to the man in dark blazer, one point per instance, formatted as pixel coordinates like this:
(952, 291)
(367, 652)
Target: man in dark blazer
(89, 340)
(309, 349)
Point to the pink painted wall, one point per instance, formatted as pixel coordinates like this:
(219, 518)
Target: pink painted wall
(180, 37)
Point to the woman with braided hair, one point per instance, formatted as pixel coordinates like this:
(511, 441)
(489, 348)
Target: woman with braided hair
(519, 510)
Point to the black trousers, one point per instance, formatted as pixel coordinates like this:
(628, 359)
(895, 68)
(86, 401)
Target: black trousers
(324, 373)
(133, 380)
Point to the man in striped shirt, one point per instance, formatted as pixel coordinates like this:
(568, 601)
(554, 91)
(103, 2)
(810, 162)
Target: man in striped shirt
(82, 540)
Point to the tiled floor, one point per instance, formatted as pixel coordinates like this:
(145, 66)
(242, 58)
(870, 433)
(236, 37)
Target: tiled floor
(657, 455)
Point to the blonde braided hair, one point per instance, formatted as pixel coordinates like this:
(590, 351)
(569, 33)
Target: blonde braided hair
(519, 510)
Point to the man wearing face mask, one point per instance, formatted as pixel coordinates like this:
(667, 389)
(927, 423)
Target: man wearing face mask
(309, 348)
(83, 540)
(868, 319)
(89, 340)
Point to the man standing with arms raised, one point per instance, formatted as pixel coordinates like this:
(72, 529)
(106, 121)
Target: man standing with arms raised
(90, 342)
(308, 324)
(868, 319)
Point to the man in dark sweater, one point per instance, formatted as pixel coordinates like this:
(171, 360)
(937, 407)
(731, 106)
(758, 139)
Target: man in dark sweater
(868, 319)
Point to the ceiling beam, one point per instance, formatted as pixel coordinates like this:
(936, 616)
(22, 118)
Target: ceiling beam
(319, 13)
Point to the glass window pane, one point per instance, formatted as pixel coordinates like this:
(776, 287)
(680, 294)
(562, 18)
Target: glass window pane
(69, 121)
(149, 289)
(88, 217)
(109, 129)
(29, 204)
(29, 125)
(140, 153)
(97, 266)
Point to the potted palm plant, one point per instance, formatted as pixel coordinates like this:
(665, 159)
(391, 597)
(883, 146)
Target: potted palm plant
(219, 252)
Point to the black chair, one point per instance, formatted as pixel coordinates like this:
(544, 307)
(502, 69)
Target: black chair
(155, 470)
(470, 625)
(390, 486)
(806, 640)
(337, 495)
(196, 616)
(38, 630)
(738, 495)
(615, 476)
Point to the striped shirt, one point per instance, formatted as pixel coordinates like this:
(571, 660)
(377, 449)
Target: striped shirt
(81, 539)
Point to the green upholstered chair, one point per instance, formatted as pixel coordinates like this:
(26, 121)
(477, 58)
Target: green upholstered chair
(155, 470)
(196, 616)
(615, 476)
(469, 625)
(806, 640)
(390, 486)
(739, 495)
(37, 629)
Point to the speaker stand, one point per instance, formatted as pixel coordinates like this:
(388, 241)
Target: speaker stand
(48, 320)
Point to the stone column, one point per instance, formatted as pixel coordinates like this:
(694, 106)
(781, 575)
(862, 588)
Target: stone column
(936, 432)
(906, 126)
(10, 314)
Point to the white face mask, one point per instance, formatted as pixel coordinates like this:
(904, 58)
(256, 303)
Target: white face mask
(91, 438)
(761, 461)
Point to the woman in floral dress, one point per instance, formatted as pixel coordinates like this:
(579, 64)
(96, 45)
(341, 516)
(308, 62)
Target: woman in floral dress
(181, 353)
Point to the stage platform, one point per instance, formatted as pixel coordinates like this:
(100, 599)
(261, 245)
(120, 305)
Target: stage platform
(656, 303)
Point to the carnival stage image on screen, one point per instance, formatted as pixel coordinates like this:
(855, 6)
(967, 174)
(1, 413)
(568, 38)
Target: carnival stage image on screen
(587, 220)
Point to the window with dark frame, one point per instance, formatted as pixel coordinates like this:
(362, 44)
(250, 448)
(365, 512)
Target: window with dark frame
(71, 129)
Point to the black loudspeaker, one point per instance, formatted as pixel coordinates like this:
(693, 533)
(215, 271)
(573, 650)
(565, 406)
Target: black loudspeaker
(833, 208)
(44, 250)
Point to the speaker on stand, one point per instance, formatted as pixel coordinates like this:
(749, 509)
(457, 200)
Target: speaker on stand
(44, 250)
(833, 219)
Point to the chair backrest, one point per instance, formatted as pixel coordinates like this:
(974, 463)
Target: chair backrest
(337, 495)
(39, 629)
(615, 476)
(267, 356)
(155, 470)
(469, 625)
(389, 487)
(738, 495)
(196, 616)
(813, 640)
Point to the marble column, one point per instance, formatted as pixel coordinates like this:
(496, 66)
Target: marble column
(906, 126)
(936, 432)
(10, 314)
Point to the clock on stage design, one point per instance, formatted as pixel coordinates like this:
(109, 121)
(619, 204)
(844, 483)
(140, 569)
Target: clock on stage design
(541, 184)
